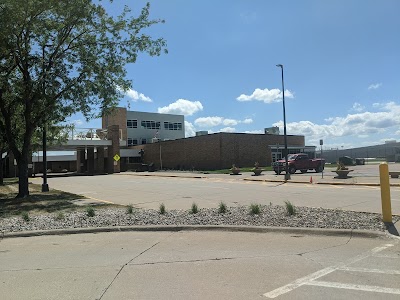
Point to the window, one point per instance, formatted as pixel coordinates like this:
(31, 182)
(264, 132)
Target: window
(150, 125)
(132, 142)
(131, 123)
(172, 126)
(144, 141)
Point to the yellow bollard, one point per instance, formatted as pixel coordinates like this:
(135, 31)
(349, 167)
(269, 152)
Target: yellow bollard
(385, 193)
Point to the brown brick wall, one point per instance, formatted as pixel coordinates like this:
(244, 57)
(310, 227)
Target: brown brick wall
(216, 151)
(117, 117)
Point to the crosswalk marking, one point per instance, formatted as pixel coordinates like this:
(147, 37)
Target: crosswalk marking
(357, 287)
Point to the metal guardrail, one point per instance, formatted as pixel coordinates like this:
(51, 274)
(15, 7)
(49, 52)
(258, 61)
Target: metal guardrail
(88, 134)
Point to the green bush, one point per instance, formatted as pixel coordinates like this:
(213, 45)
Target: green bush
(90, 211)
(162, 208)
(291, 210)
(25, 216)
(194, 209)
(222, 208)
(60, 216)
(129, 209)
(255, 209)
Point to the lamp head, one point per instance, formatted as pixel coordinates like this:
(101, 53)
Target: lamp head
(280, 66)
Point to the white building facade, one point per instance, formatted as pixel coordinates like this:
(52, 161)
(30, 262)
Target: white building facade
(140, 128)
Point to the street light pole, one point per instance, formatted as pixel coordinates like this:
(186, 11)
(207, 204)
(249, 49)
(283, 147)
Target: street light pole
(287, 175)
(45, 186)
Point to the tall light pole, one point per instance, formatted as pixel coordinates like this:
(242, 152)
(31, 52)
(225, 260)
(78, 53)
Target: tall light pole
(287, 174)
(45, 186)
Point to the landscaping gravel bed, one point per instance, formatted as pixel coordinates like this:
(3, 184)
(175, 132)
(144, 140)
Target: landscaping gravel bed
(271, 215)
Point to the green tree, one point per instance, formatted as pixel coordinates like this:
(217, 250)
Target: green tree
(62, 57)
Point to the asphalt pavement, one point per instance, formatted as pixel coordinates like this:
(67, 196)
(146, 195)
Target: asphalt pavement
(178, 190)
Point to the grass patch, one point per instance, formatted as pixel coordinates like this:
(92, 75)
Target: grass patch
(290, 209)
(90, 212)
(194, 209)
(37, 203)
(162, 208)
(255, 209)
(222, 208)
(129, 209)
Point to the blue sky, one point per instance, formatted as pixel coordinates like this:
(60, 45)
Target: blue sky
(341, 62)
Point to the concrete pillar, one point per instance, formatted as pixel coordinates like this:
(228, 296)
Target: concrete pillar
(100, 160)
(80, 160)
(90, 160)
(113, 135)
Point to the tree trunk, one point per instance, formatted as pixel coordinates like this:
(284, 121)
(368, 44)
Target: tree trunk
(1, 169)
(23, 189)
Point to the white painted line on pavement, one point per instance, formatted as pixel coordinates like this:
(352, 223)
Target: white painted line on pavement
(357, 287)
(309, 278)
(365, 270)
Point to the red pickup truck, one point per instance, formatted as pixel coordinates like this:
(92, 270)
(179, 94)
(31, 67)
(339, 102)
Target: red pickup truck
(300, 162)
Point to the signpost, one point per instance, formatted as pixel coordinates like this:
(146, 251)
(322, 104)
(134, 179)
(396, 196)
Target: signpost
(116, 159)
(321, 142)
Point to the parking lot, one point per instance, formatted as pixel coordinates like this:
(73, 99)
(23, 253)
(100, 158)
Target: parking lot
(148, 190)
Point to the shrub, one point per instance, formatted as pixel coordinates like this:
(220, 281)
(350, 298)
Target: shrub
(129, 209)
(162, 208)
(194, 209)
(90, 211)
(222, 208)
(255, 209)
(60, 216)
(25, 216)
(291, 210)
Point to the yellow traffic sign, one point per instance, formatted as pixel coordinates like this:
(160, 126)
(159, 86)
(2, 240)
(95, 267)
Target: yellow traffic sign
(117, 157)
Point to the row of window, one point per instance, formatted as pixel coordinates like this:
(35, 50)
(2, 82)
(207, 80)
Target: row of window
(153, 125)
(172, 126)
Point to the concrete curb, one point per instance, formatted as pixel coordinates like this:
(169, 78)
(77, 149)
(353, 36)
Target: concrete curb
(175, 228)
(327, 182)
(160, 175)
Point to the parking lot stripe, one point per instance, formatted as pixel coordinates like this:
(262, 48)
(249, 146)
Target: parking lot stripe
(365, 270)
(357, 287)
(310, 278)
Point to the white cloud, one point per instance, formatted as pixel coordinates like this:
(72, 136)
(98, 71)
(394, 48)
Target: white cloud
(209, 121)
(255, 131)
(247, 121)
(228, 129)
(358, 107)
(216, 121)
(134, 95)
(190, 130)
(77, 122)
(358, 124)
(182, 107)
(265, 95)
(375, 86)
(230, 122)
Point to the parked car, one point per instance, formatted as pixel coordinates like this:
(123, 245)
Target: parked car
(300, 162)
(347, 161)
(360, 161)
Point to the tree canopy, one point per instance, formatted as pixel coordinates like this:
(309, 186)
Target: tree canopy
(62, 57)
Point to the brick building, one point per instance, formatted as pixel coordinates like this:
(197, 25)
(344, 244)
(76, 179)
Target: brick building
(221, 150)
